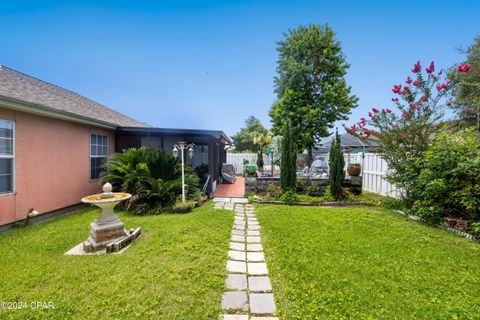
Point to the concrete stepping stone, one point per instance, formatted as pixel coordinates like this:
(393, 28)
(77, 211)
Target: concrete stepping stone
(255, 257)
(238, 232)
(219, 205)
(253, 239)
(257, 268)
(253, 223)
(253, 233)
(237, 255)
(238, 238)
(235, 300)
(250, 227)
(240, 317)
(238, 227)
(262, 303)
(236, 266)
(263, 318)
(236, 282)
(221, 199)
(229, 206)
(237, 246)
(239, 200)
(254, 247)
(259, 284)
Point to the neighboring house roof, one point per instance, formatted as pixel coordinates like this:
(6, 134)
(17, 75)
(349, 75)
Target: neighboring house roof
(19, 87)
(346, 141)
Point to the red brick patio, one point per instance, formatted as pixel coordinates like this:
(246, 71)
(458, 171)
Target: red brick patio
(231, 190)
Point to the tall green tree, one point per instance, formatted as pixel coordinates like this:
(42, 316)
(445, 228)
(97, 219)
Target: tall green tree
(467, 90)
(311, 64)
(243, 140)
(336, 163)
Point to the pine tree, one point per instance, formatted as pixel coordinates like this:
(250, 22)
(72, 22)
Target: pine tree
(288, 162)
(337, 164)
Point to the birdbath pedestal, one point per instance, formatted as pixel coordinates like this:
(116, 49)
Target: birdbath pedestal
(107, 228)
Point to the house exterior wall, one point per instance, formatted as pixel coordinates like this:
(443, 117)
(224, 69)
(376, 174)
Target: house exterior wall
(52, 164)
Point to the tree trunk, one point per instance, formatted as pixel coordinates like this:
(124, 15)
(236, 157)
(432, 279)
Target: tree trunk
(309, 158)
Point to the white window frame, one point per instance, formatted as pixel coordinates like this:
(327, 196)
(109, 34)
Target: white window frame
(12, 157)
(97, 156)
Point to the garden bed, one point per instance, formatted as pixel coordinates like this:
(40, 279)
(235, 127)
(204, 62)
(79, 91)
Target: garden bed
(313, 204)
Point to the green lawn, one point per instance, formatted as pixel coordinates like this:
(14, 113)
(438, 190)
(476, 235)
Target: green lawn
(367, 263)
(175, 271)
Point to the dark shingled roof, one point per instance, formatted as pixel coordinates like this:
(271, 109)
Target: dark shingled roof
(21, 87)
(346, 141)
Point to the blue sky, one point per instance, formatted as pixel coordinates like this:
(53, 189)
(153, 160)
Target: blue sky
(210, 64)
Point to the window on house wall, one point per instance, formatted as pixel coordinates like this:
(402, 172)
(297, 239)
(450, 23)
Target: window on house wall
(98, 154)
(7, 156)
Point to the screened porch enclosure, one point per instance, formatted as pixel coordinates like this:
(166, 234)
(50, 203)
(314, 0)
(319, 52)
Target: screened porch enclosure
(209, 148)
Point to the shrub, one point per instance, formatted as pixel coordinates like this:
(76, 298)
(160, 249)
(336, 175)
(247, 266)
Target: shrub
(289, 197)
(474, 229)
(251, 168)
(180, 207)
(251, 196)
(152, 176)
(311, 190)
(327, 195)
(300, 185)
(449, 184)
(274, 191)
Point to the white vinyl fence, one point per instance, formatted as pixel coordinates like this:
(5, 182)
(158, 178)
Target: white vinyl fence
(374, 169)
(237, 160)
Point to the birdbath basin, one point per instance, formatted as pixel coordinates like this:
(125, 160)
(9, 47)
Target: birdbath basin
(107, 228)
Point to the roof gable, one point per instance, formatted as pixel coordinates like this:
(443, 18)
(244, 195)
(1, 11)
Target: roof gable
(20, 87)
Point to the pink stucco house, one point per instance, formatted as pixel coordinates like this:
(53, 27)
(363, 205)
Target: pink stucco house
(53, 143)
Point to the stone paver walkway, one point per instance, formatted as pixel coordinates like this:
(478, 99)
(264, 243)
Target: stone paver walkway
(248, 290)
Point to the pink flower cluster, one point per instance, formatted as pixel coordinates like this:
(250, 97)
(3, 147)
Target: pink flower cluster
(397, 89)
(430, 68)
(417, 68)
(464, 68)
(443, 86)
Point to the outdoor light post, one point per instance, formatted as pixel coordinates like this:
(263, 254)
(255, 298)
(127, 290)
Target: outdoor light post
(182, 145)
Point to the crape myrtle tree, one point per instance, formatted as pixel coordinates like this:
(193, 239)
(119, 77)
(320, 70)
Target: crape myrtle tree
(467, 89)
(312, 65)
(405, 134)
(336, 163)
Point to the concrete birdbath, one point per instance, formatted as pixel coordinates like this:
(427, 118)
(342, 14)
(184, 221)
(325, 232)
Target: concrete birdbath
(108, 231)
